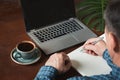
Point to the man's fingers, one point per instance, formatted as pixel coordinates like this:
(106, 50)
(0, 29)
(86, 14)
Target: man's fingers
(90, 47)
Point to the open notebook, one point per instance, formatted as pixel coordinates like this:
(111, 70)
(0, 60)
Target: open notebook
(88, 65)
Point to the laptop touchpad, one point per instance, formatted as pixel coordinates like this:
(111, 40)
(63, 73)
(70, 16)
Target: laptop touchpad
(59, 44)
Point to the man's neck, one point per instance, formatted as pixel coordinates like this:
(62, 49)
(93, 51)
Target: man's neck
(116, 59)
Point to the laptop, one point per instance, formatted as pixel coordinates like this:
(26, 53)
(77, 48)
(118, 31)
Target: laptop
(53, 25)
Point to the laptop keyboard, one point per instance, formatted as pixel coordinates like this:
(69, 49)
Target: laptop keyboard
(57, 30)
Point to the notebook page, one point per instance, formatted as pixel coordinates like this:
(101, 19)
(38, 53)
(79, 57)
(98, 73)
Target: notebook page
(88, 65)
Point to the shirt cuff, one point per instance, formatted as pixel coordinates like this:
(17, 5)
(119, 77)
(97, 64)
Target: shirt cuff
(48, 72)
(107, 57)
(106, 54)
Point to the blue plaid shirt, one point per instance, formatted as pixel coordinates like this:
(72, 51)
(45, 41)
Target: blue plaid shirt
(49, 73)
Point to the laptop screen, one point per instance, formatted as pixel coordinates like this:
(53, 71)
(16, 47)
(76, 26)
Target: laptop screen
(40, 13)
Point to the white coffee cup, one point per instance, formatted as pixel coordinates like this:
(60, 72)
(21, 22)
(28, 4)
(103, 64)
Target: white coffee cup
(25, 49)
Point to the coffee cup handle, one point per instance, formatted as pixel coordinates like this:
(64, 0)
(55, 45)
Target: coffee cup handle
(18, 55)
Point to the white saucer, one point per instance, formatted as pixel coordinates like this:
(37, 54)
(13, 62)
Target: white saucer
(22, 61)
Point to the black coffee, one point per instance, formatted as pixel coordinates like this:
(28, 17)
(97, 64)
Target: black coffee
(25, 47)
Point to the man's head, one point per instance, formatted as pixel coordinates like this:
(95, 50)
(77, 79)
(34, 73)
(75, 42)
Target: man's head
(112, 27)
(112, 17)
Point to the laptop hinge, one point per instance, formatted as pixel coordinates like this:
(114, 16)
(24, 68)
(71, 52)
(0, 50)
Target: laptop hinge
(71, 18)
(32, 30)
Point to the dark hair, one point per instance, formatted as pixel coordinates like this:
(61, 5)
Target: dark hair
(112, 17)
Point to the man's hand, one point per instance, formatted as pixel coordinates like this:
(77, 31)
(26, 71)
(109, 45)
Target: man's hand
(60, 61)
(95, 49)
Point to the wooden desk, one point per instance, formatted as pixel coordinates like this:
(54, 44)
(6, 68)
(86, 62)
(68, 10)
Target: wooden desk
(12, 31)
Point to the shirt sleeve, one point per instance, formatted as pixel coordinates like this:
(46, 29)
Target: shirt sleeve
(46, 73)
(107, 57)
(115, 69)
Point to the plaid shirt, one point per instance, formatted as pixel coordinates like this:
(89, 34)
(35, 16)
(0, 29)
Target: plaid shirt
(49, 73)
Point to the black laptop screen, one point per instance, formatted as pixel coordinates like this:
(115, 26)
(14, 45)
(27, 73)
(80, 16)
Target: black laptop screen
(39, 13)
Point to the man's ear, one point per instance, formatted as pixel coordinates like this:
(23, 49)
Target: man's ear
(114, 44)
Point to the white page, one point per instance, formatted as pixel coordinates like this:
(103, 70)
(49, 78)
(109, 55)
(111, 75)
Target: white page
(87, 64)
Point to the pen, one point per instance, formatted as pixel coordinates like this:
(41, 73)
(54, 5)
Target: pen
(99, 39)
(93, 43)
